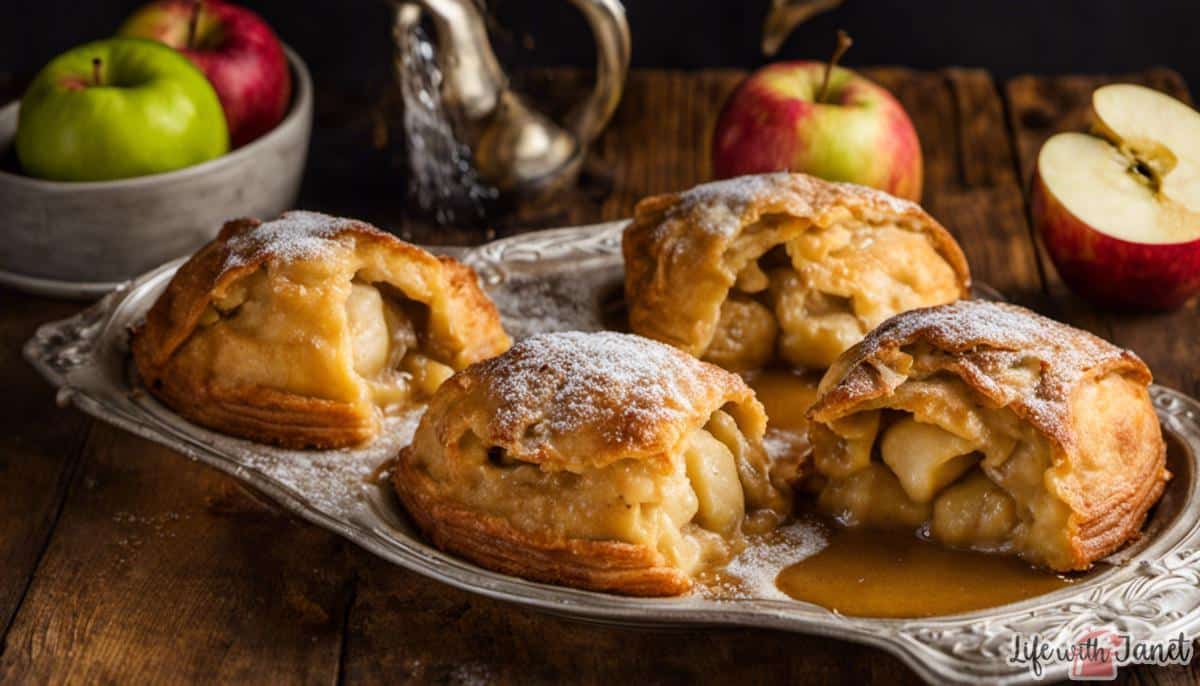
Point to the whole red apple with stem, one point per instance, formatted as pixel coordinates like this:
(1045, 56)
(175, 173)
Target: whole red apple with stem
(1119, 210)
(820, 119)
(235, 49)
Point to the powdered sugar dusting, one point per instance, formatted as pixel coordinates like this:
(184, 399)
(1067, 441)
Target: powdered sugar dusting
(967, 324)
(998, 343)
(736, 191)
(332, 480)
(751, 575)
(293, 236)
(719, 207)
(725, 202)
(569, 302)
(621, 386)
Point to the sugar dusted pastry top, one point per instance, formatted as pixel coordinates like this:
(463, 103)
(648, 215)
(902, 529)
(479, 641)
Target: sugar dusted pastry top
(854, 257)
(584, 400)
(992, 346)
(298, 331)
(723, 208)
(298, 237)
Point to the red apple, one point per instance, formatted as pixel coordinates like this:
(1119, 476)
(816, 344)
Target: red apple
(234, 48)
(1119, 211)
(828, 122)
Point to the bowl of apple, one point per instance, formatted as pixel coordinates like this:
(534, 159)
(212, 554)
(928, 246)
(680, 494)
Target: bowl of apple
(127, 152)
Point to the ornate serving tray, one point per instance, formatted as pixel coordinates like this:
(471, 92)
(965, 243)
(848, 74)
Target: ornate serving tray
(570, 279)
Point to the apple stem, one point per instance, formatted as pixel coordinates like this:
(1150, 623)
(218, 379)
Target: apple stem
(193, 20)
(96, 63)
(843, 44)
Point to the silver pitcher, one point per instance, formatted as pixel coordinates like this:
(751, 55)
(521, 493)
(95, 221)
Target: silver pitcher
(512, 147)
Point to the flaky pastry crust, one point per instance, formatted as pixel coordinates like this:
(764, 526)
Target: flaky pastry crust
(687, 254)
(251, 336)
(1081, 397)
(556, 461)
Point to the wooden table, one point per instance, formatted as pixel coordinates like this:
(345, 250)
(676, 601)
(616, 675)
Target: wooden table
(123, 562)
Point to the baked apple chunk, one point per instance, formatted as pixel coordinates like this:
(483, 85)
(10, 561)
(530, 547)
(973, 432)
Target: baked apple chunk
(305, 330)
(386, 349)
(781, 267)
(603, 461)
(986, 426)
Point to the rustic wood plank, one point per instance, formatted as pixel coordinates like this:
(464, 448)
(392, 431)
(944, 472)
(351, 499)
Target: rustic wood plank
(990, 200)
(39, 449)
(1042, 106)
(162, 570)
(406, 629)
(658, 141)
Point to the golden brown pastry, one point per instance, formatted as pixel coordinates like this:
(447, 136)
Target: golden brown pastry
(603, 461)
(990, 427)
(300, 331)
(747, 270)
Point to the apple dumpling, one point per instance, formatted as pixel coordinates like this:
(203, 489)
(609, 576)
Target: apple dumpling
(302, 331)
(983, 425)
(603, 461)
(782, 266)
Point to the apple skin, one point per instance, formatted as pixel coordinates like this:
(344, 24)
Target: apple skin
(154, 113)
(861, 134)
(1109, 271)
(235, 49)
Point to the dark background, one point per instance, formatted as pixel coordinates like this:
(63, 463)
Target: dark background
(353, 170)
(347, 43)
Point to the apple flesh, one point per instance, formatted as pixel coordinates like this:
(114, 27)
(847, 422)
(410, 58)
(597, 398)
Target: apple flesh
(115, 109)
(1119, 211)
(235, 49)
(858, 132)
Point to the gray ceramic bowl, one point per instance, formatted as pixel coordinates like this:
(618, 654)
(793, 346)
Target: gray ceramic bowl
(81, 239)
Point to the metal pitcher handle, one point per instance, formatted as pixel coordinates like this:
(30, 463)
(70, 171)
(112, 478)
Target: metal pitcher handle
(611, 32)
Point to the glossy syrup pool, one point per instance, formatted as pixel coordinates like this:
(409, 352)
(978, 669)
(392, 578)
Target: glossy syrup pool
(877, 573)
(859, 571)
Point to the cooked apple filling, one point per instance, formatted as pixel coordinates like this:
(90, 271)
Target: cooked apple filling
(806, 301)
(930, 457)
(379, 354)
(386, 348)
(695, 513)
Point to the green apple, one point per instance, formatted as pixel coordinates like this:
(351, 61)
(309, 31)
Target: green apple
(118, 108)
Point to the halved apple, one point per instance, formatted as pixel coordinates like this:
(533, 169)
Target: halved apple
(1119, 210)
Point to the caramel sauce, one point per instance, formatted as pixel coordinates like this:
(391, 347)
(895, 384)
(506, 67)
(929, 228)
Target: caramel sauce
(879, 573)
(786, 395)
